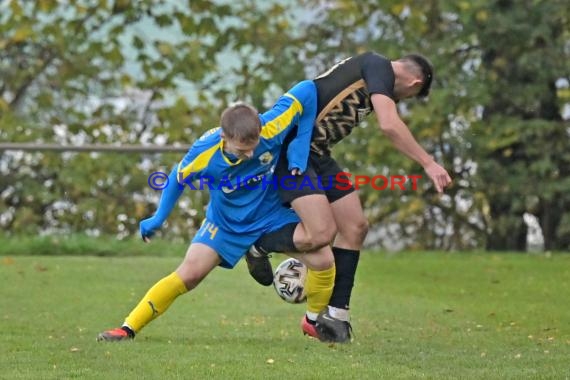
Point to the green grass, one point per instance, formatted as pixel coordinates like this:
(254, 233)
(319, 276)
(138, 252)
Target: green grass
(82, 245)
(426, 316)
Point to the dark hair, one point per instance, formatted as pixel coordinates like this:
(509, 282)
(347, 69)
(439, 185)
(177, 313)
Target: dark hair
(241, 122)
(426, 69)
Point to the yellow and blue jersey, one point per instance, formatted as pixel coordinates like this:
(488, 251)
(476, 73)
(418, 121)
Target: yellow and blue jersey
(243, 196)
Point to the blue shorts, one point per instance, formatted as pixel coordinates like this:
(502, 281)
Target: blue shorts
(232, 246)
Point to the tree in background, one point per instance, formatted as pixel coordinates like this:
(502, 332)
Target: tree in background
(522, 138)
(160, 72)
(495, 117)
(119, 72)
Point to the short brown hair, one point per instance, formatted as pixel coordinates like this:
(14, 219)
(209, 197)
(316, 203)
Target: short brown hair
(424, 68)
(241, 122)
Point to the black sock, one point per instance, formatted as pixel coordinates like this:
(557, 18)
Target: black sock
(346, 261)
(130, 332)
(280, 241)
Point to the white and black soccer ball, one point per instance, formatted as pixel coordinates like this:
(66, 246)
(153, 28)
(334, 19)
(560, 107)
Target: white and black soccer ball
(289, 281)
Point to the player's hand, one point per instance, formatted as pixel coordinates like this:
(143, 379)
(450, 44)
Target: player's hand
(296, 171)
(148, 227)
(438, 175)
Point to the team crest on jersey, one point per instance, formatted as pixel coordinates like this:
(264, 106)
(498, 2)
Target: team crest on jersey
(228, 189)
(265, 158)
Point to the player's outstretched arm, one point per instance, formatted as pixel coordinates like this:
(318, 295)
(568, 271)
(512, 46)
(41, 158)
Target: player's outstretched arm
(168, 199)
(305, 93)
(401, 137)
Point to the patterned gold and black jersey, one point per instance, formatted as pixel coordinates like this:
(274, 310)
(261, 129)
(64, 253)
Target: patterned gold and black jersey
(344, 97)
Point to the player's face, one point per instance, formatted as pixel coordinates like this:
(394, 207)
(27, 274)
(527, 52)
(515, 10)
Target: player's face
(242, 150)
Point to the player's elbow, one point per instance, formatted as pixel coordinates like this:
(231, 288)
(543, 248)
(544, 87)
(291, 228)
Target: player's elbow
(392, 128)
(388, 127)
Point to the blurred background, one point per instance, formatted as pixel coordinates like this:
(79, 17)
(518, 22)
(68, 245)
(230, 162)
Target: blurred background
(159, 73)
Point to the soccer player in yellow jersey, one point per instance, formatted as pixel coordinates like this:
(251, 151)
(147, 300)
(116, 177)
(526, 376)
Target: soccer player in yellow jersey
(247, 145)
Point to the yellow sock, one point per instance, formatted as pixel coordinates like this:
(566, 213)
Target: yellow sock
(318, 287)
(156, 301)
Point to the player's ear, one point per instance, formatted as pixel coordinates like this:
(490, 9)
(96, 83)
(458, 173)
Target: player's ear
(415, 86)
(416, 83)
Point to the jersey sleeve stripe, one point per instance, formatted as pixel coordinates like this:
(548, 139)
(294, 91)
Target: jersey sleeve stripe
(198, 164)
(278, 125)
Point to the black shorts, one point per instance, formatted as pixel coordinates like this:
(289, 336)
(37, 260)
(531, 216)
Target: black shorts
(321, 177)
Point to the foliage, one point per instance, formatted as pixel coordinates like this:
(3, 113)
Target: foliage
(522, 136)
(501, 85)
(117, 73)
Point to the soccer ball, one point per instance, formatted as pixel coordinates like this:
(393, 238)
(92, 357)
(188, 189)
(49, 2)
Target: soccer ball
(289, 281)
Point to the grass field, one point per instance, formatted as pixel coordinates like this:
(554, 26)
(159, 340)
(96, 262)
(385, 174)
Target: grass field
(420, 315)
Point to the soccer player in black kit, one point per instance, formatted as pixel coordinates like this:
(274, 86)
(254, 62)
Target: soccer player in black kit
(347, 93)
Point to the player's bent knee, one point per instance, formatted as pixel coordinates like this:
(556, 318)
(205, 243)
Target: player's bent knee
(320, 237)
(328, 233)
(362, 229)
(354, 230)
(190, 276)
(192, 281)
